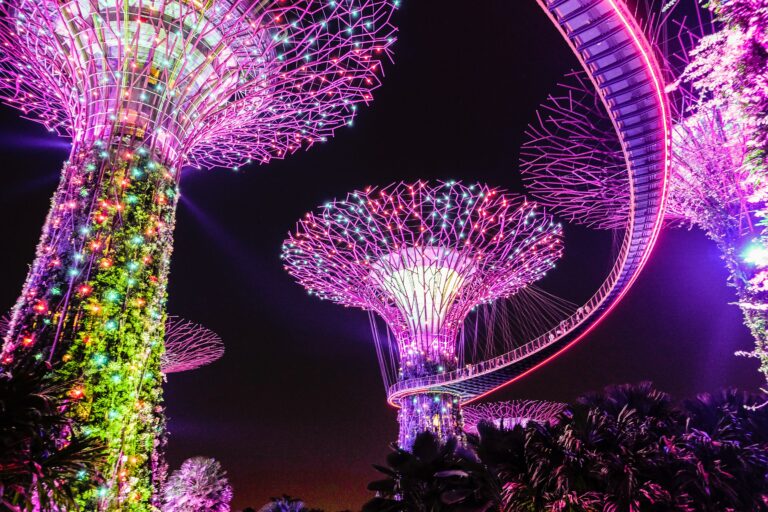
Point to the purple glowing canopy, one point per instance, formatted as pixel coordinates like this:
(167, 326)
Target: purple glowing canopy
(510, 414)
(189, 346)
(498, 240)
(214, 84)
(421, 255)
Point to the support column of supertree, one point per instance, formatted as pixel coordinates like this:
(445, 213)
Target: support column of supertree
(144, 88)
(718, 182)
(422, 255)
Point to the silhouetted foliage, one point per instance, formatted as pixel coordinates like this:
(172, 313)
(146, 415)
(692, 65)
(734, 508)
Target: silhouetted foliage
(628, 448)
(41, 459)
(433, 477)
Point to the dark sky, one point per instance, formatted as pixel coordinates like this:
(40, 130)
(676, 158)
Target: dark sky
(297, 405)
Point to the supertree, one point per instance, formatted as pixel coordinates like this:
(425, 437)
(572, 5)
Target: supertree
(189, 346)
(422, 255)
(199, 485)
(718, 177)
(507, 415)
(144, 88)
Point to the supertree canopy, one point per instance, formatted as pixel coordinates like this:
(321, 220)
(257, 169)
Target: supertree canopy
(507, 415)
(189, 346)
(571, 159)
(422, 255)
(143, 88)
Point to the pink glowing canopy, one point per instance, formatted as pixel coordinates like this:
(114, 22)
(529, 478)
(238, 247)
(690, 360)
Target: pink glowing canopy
(211, 83)
(421, 255)
(510, 414)
(189, 346)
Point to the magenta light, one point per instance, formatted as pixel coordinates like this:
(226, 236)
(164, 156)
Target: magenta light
(507, 415)
(422, 255)
(189, 346)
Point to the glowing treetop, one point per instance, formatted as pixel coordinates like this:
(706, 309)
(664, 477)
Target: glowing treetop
(422, 255)
(206, 83)
(189, 346)
(507, 415)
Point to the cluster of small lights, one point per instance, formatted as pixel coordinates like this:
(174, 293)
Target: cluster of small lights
(507, 415)
(438, 413)
(422, 255)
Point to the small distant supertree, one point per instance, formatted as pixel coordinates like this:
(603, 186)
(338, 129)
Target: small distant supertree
(5, 324)
(189, 346)
(506, 415)
(422, 255)
(200, 485)
(284, 503)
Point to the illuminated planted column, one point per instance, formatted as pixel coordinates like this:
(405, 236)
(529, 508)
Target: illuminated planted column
(422, 255)
(143, 89)
(93, 305)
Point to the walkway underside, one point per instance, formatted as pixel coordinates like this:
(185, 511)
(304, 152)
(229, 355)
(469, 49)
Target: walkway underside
(613, 50)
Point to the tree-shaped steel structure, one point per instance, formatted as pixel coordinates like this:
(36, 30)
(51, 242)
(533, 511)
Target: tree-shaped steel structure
(506, 415)
(613, 50)
(189, 346)
(421, 255)
(143, 88)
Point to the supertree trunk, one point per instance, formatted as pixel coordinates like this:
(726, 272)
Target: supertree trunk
(92, 310)
(438, 413)
(421, 356)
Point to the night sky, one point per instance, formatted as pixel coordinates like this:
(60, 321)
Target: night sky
(297, 404)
